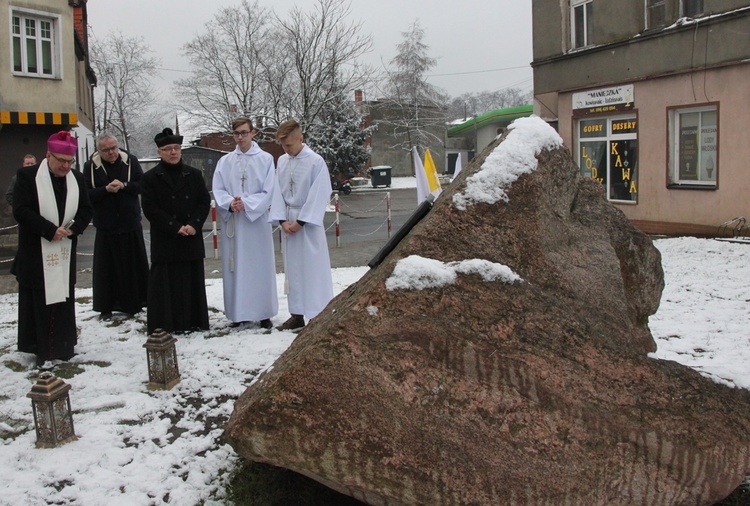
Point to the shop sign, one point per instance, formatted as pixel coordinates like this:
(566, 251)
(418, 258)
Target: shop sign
(618, 98)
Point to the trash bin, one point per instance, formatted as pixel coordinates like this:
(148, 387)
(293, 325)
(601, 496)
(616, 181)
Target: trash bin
(380, 175)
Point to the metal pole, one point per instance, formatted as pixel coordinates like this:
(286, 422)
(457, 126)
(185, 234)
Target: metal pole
(213, 228)
(388, 207)
(338, 222)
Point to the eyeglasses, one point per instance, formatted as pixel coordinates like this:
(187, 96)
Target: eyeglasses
(241, 134)
(109, 150)
(63, 161)
(170, 148)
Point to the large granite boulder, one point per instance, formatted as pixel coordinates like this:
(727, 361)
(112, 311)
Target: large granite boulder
(499, 356)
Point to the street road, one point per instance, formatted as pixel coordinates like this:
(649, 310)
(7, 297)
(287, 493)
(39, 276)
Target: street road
(364, 215)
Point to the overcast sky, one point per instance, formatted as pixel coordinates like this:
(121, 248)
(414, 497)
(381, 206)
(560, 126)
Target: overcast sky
(480, 45)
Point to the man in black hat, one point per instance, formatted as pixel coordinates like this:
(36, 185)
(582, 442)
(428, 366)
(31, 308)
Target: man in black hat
(176, 202)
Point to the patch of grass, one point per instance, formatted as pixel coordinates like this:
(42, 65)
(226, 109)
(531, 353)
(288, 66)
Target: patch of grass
(67, 370)
(255, 484)
(83, 300)
(174, 434)
(14, 366)
(19, 427)
(217, 333)
(60, 485)
(97, 363)
(127, 332)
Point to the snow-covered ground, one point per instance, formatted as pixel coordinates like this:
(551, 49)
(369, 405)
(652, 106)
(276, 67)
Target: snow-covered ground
(703, 321)
(138, 447)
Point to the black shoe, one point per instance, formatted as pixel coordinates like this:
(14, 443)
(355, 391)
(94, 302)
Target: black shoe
(266, 324)
(239, 324)
(293, 324)
(105, 317)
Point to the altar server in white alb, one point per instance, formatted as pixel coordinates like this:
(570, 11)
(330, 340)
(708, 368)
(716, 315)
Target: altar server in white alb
(300, 198)
(243, 188)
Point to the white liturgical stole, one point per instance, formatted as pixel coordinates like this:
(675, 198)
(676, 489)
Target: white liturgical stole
(56, 254)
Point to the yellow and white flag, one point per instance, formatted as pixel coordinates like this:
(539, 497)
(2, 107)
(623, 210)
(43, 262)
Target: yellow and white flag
(427, 178)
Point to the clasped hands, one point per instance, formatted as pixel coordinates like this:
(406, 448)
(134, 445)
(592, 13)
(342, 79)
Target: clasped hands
(291, 227)
(115, 186)
(237, 205)
(186, 230)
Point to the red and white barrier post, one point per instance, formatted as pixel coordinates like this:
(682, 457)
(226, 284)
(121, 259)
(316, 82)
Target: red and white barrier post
(338, 222)
(213, 229)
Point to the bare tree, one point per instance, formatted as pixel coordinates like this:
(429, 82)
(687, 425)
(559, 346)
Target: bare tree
(322, 48)
(415, 108)
(229, 77)
(125, 95)
(279, 85)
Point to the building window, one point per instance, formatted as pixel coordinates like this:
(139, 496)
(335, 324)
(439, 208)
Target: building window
(580, 20)
(656, 13)
(693, 147)
(691, 8)
(33, 43)
(608, 152)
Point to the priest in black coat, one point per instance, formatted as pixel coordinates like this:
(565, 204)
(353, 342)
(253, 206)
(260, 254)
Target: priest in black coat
(120, 274)
(52, 208)
(176, 203)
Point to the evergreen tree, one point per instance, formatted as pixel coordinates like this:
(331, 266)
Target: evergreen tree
(338, 136)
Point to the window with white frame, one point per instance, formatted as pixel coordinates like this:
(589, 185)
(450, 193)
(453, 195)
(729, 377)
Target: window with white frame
(693, 147)
(580, 22)
(607, 150)
(33, 42)
(691, 8)
(656, 13)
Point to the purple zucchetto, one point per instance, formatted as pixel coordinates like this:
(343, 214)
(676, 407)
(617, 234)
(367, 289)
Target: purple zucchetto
(62, 143)
(167, 137)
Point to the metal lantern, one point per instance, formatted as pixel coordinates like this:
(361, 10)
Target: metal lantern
(161, 355)
(53, 417)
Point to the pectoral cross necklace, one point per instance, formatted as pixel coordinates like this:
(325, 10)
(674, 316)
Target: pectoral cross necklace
(243, 173)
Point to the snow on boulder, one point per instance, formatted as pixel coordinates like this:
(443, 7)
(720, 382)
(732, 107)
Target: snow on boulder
(499, 355)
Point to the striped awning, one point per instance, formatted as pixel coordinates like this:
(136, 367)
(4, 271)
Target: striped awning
(37, 118)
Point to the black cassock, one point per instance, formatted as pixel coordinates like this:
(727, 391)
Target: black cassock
(173, 196)
(49, 331)
(120, 273)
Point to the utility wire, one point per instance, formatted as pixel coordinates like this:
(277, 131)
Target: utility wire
(478, 71)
